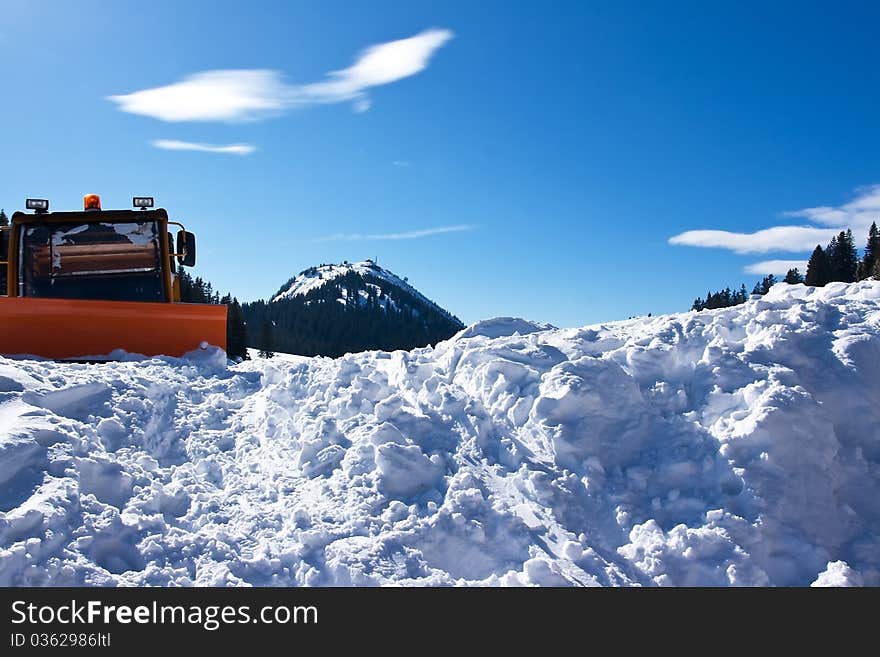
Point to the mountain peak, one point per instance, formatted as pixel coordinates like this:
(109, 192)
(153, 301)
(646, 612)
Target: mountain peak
(333, 309)
(319, 276)
(315, 277)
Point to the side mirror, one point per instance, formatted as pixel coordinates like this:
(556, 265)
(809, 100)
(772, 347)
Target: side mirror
(186, 244)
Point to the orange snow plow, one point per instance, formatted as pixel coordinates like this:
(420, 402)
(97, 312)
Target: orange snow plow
(80, 285)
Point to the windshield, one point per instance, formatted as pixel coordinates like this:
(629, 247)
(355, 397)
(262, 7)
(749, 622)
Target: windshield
(111, 261)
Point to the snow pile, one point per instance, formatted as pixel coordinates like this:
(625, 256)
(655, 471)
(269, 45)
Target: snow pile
(729, 447)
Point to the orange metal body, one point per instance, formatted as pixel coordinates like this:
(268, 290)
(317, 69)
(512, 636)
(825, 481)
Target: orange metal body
(80, 329)
(83, 329)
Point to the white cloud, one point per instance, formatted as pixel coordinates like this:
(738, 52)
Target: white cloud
(377, 65)
(401, 163)
(252, 94)
(778, 238)
(857, 214)
(776, 267)
(826, 222)
(409, 235)
(211, 96)
(176, 145)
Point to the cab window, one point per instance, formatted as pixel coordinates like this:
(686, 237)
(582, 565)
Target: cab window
(109, 261)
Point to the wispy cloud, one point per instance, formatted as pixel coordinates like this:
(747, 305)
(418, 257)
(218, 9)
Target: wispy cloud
(176, 145)
(776, 267)
(408, 235)
(253, 94)
(401, 163)
(823, 222)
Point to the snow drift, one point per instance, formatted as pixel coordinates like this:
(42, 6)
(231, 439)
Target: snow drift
(729, 447)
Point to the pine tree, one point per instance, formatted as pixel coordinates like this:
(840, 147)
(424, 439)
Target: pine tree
(818, 268)
(872, 251)
(849, 257)
(831, 253)
(236, 330)
(185, 281)
(267, 340)
(4, 220)
(238, 333)
(764, 285)
(793, 277)
(842, 257)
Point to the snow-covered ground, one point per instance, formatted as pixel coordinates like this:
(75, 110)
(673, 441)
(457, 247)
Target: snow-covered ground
(737, 446)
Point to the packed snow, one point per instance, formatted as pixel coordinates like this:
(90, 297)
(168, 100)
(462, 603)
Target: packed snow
(730, 447)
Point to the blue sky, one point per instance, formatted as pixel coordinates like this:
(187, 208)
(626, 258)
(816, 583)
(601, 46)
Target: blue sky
(529, 159)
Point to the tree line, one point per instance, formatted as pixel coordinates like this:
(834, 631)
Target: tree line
(838, 261)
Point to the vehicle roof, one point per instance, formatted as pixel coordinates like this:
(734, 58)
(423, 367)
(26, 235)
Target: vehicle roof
(91, 216)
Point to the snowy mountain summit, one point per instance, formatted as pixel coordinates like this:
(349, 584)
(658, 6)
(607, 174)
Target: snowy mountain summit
(737, 446)
(317, 277)
(330, 310)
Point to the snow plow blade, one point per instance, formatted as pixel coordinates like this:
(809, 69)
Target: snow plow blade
(91, 330)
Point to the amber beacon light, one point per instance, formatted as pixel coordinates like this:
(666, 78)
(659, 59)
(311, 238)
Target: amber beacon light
(92, 202)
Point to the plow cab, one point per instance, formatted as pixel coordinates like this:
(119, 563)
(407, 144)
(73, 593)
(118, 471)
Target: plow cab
(81, 285)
